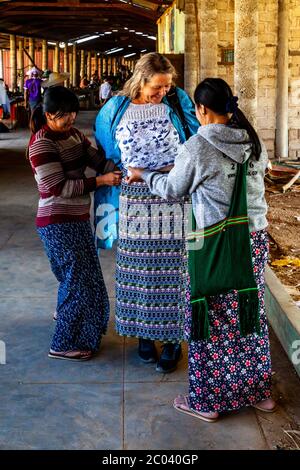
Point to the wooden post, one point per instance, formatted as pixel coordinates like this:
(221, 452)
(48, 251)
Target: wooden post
(88, 65)
(44, 54)
(21, 64)
(56, 58)
(31, 52)
(82, 64)
(71, 67)
(13, 62)
(66, 68)
(1, 64)
(74, 64)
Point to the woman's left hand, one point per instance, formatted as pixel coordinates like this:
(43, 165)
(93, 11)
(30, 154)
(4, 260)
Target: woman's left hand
(135, 175)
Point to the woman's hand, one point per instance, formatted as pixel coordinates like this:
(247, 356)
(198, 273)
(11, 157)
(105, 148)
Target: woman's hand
(135, 175)
(113, 178)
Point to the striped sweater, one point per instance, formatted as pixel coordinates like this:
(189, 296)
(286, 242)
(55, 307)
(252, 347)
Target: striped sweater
(58, 161)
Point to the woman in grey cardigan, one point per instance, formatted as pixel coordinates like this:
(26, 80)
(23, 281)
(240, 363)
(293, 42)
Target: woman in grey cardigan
(227, 371)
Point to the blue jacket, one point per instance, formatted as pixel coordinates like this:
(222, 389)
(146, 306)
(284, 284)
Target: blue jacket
(106, 198)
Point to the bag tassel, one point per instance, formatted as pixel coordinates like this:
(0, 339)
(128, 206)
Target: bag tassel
(200, 320)
(249, 311)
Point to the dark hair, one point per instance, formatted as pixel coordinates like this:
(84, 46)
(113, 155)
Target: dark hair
(216, 94)
(57, 100)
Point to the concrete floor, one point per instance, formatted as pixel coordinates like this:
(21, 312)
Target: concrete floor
(114, 401)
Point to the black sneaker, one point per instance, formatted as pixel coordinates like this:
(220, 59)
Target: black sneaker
(169, 358)
(147, 351)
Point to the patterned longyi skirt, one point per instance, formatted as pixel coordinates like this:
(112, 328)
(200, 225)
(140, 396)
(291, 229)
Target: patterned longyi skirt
(82, 301)
(151, 272)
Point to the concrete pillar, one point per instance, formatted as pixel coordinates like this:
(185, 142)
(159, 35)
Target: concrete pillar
(1, 64)
(245, 56)
(66, 65)
(82, 63)
(89, 65)
(282, 105)
(44, 54)
(13, 62)
(208, 39)
(31, 52)
(192, 45)
(21, 64)
(74, 66)
(56, 58)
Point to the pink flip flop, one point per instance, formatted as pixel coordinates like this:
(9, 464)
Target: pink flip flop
(181, 403)
(265, 410)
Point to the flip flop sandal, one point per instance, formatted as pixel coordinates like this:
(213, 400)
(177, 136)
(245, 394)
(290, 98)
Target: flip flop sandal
(265, 410)
(78, 357)
(188, 411)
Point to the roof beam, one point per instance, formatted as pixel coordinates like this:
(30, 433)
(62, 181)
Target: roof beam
(77, 3)
(151, 15)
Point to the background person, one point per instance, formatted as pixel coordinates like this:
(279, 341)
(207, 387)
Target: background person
(105, 91)
(55, 79)
(140, 128)
(32, 86)
(59, 155)
(4, 100)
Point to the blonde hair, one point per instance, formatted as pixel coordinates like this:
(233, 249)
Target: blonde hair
(146, 67)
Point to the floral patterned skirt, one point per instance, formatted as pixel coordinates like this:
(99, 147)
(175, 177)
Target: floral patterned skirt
(228, 372)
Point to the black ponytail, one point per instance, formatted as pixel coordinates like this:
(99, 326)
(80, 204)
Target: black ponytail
(216, 94)
(37, 119)
(239, 120)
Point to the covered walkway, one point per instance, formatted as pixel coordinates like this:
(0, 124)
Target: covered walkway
(113, 401)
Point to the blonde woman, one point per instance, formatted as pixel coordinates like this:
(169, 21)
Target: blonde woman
(141, 128)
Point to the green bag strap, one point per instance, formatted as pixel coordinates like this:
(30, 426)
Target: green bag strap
(238, 211)
(248, 297)
(238, 203)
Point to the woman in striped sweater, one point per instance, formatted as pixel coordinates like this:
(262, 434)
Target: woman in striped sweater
(59, 155)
